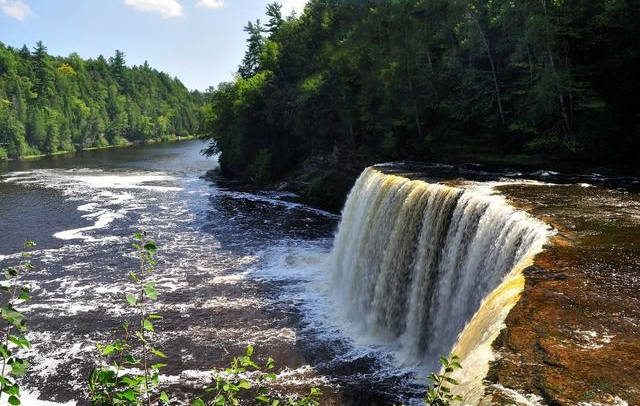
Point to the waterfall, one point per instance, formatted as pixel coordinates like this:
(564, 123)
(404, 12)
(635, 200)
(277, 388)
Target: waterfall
(413, 262)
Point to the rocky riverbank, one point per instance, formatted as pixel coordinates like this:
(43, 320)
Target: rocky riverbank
(574, 336)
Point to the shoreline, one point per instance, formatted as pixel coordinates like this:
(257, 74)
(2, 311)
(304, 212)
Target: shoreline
(127, 145)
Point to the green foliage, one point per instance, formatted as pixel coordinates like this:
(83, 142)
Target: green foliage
(51, 104)
(101, 142)
(263, 165)
(119, 141)
(440, 392)
(405, 79)
(231, 385)
(117, 382)
(14, 327)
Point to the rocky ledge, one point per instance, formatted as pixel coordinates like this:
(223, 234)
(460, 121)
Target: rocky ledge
(574, 336)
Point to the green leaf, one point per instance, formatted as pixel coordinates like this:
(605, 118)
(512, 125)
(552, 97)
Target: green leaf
(164, 397)
(13, 400)
(244, 385)
(198, 402)
(219, 400)
(158, 353)
(21, 342)
(24, 296)
(15, 318)
(4, 351)
(151, 248)
(150, 290)
(133, 301)
(140, 337)
(249, 350)
(147, 325)
(18, 366)
(451, 380)
(128, 394)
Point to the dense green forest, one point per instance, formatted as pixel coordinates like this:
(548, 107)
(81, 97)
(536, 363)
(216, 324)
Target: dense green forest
(366, 81)
(52, 104)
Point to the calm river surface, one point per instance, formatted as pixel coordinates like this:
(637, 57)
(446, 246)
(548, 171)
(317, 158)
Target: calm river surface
(234, 269)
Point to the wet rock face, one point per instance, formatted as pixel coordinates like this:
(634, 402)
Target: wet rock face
(574, 336)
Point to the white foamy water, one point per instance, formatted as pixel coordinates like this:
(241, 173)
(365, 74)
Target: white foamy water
(206, 253)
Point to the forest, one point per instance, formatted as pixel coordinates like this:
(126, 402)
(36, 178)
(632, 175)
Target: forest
(53, 104)
(501, 81)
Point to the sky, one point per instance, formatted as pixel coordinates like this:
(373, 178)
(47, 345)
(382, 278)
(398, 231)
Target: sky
(199, 41)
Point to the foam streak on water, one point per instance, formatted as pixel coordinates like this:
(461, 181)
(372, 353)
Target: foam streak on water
(208, 239)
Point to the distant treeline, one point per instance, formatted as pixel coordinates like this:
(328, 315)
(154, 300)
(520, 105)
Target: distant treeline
(52, 104)
(381, 80)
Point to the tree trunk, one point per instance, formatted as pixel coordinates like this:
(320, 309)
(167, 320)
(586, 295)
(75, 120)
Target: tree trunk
(563, 110)
(494, 74)
(416, 111)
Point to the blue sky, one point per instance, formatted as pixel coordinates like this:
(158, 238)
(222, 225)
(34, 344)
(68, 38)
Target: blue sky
(199, 41)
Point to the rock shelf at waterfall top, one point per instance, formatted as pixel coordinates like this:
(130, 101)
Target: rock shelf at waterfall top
(573, 338)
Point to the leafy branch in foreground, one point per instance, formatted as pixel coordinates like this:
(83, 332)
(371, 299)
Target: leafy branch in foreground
(130, 378)
(232, 384)
(440, 392)
(12, 342)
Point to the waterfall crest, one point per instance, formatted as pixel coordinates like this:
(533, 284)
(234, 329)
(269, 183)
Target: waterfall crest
(413, 262)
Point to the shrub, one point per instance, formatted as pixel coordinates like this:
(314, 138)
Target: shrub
(101, 142)
(440, 392)
(13, 320)
(110, 384)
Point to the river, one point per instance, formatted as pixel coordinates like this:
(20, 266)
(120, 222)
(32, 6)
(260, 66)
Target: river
(530, 277)
(234, 269)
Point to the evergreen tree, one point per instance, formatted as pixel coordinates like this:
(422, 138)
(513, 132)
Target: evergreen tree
(255, 41)
(43, 81)
(274, 12)
(118, 67)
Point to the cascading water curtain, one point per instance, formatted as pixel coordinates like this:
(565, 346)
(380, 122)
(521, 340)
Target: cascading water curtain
(413, 261)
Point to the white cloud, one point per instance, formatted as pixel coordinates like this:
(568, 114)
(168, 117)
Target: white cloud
(293, 5)
(16, 9)
(214, 4)
(166, 8)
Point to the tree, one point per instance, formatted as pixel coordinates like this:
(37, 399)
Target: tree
(118, 67)
(274, 12)
(43, 81)
(255, 41)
